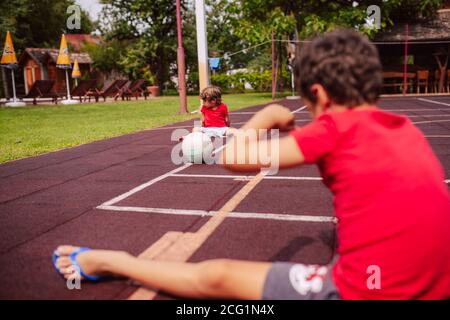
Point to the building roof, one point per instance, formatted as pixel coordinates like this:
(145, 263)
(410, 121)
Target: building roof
(434, 29)
(41, 55)
(78, 41)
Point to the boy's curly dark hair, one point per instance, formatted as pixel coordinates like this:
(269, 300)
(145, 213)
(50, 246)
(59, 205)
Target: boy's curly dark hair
(211, 93)
(345, 63)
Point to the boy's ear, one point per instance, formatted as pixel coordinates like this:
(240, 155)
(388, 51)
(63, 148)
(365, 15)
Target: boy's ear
(321, 95)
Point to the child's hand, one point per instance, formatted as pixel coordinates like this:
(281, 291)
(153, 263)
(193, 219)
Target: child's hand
(282, 117)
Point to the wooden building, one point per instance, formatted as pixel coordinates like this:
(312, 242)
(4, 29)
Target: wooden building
(426, 46)
(40, 64)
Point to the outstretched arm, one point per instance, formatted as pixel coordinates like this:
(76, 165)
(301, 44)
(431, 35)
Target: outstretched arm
(243, 150)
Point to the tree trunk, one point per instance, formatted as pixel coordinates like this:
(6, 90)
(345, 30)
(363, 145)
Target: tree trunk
(442, 68)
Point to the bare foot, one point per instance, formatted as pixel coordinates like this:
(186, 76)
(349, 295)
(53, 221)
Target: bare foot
(93, 263)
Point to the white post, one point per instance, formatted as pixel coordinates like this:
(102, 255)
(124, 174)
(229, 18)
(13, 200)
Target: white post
(202, 44)
(15, 102)
(69, 98)
(13, 85)
(292, 83)
(68, 89)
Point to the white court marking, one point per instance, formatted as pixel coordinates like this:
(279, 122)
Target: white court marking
(435, 102)
(429, 115)
(204, 213)
(299, 109)
(431, 121)
(145, 185)
(243, 177)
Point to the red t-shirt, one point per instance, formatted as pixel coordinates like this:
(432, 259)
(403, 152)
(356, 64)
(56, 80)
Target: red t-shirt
(215, 117)
(390, 199)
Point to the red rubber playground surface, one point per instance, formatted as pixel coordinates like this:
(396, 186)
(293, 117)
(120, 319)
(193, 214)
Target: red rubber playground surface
(125, 194)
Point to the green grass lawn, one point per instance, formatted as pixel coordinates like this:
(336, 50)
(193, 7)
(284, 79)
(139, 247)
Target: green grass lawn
(34, 130)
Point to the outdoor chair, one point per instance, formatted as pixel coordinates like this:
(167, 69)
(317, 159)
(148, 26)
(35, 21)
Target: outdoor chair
(42, 89)
(422, 80)
(109, 90)
(136, 89)
(83, 88)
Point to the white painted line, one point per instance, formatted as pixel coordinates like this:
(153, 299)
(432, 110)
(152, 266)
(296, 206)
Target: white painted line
(204, 213)
(426, 109)
(224, 176)
(299, 109)
(435, 102)
(167, 128)
(429, 115)
(145, 185)
(437, 136)
(431, 121)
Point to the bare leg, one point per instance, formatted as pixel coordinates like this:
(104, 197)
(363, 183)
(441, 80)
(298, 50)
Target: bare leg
(230, 279)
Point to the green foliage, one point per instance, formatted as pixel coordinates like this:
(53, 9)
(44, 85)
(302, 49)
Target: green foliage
(106, 55)
(254, 19)
(149, 27)
(38, 23)
(235, 83)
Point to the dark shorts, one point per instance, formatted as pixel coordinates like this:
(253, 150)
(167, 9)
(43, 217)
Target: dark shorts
(296, 281)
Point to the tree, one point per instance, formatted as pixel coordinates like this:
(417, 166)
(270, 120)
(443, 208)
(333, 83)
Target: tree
(255, 19)
(36, 24)
(150, 26)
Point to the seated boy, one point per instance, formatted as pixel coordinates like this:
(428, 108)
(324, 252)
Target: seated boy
(215, 119)
(390, 198)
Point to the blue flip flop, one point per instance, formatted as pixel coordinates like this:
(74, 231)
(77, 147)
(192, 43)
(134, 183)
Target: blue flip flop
(73, 260)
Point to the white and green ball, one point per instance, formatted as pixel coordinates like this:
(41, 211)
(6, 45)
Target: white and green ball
(196, 147)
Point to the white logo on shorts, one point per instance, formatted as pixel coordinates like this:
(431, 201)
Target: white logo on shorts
(307, 278)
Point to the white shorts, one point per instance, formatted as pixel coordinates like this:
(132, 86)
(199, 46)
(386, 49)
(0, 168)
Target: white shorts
(214, 131)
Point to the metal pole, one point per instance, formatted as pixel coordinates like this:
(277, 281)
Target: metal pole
(202, 44)
(405, 67)
(181, 63)
(292, 83)
(68, 88)
(13, 85)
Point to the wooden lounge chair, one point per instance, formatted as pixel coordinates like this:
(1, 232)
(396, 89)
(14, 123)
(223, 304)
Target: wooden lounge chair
(82, 89)
(136, 89)
(123, 90)
(109, 90)
(42, 89)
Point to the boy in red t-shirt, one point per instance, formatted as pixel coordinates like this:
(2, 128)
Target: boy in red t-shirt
(215, 119)
(392, 204)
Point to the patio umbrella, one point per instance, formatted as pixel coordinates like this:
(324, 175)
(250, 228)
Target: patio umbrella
(9, 60)
(63, 62)
(76, 73)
